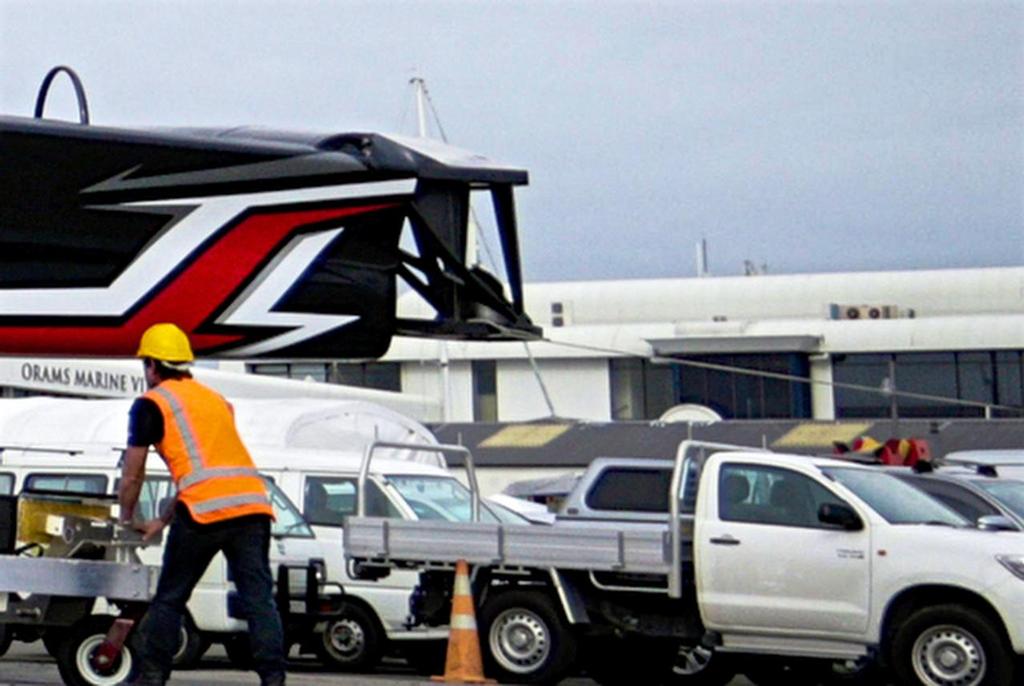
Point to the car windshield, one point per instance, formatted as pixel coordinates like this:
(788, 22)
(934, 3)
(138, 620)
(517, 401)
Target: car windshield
(437, 497)
(1009, 493)
(896, 501)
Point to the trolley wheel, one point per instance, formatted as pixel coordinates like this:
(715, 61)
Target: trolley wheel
(79, 645)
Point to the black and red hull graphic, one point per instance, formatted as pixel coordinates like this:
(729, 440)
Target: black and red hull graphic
(257, 244)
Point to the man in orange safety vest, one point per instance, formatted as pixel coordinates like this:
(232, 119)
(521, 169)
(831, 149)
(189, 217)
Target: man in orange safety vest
(222, 505)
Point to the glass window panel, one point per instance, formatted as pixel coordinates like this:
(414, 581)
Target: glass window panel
(1009, 384)
(635, 490)
(976, 378)
(327, 500)
(74, 483)
(659, 390)
(384, 376)
(308, 370)
(269, 369)
(769, 495)
(929, 373)
(864, 370)
(485, 391)
(6, 484)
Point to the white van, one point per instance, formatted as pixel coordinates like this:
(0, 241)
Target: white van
(93, 469)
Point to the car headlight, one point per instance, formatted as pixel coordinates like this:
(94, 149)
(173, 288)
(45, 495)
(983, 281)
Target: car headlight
(1015, 563)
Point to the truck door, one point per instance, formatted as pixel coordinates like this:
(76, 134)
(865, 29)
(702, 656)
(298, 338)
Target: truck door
(765, 562)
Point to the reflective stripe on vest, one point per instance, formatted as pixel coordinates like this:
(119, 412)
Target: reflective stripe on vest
(191, 447)
(214, 504)
(200, 475)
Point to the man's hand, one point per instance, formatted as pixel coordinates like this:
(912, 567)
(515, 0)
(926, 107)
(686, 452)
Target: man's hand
(150, 529)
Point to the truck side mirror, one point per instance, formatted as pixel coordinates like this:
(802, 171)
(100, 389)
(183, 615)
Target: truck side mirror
(996, 523)
(839, 515)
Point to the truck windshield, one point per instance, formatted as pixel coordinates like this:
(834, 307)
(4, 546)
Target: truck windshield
(896, 501)
(437, 497)
(1009, 493)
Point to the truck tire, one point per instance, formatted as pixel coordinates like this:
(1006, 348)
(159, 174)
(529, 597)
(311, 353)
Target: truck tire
(524, 638)
(695, 665)
(80, 643)
(352, 641)
(949, 645)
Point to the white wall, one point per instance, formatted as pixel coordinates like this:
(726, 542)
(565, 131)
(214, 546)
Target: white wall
(578, 389)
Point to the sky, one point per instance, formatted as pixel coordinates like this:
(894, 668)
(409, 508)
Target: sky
(798, 136)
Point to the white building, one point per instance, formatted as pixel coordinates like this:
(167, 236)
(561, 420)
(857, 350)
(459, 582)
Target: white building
(634, 349)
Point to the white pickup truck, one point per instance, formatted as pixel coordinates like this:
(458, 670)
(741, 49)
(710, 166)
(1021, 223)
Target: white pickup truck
(760, 554)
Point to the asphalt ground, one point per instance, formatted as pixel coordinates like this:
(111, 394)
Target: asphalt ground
(28, 664)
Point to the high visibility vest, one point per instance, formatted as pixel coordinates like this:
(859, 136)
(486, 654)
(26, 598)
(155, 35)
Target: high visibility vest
(214, 474)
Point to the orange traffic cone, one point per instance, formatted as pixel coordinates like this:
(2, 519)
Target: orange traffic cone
(464, 664)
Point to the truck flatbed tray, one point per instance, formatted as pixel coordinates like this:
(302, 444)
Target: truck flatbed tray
(77, 578)
(395, 542)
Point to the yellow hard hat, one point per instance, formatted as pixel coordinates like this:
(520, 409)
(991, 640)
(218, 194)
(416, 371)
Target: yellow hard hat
(165, 342)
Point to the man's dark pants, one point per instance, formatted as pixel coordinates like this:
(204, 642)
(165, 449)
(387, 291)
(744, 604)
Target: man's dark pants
(189, 547)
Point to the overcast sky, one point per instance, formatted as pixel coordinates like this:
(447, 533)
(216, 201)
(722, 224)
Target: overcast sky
(810, 136)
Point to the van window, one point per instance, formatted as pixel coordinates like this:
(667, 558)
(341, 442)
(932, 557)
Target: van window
(327, 500)
(287, 519)
(6, 484)
(75, 483)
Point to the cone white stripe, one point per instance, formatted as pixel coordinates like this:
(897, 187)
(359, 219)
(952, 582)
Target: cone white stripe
(462, 585)
(464, 622)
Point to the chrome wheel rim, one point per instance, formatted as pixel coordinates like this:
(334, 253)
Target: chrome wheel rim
(118, 671)
(345, 639)
(691, 660)
(519, 641)
(948, 655)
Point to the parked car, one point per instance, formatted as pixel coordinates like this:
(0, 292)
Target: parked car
(981, 490)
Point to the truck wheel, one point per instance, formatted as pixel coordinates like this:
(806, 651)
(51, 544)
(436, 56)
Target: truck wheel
(950, 645)
(525, 639)
(695, 665)
(352, 641)
(78, 646)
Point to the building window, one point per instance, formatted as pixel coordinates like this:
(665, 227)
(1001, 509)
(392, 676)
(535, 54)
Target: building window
(639, 389)
(485, 391)
(385, 376)
(735, 395)
(988, 377)
(318, 371)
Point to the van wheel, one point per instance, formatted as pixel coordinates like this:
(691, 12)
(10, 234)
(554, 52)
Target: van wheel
(79, 646)
(352, 641)
(950, 645)
(191, 646)
(526, 641)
